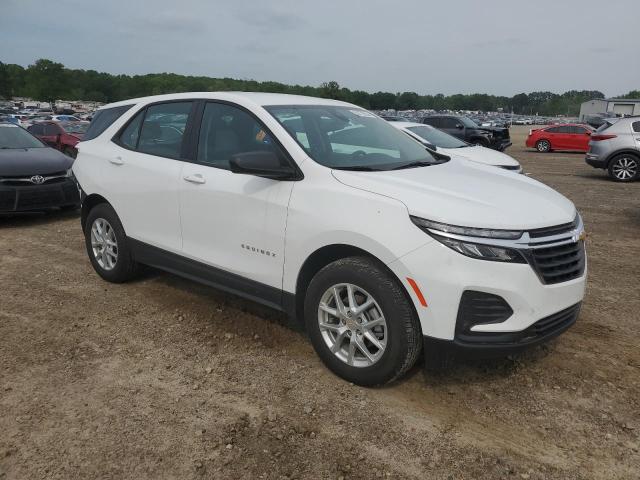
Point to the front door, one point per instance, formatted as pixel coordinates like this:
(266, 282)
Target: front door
(233, 222)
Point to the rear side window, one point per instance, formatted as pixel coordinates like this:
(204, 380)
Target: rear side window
(36, 129)
(636, 126)
(163, 128)
(103, 119)
(51, 129)
(553, 130)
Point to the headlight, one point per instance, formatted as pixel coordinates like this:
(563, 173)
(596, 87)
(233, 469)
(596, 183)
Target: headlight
(480, 251)
(428, 225)
(472, 248)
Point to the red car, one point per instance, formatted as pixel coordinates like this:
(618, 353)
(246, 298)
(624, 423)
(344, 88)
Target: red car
(63, 136)
(570, 136)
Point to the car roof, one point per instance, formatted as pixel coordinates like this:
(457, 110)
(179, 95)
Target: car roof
(257, 98)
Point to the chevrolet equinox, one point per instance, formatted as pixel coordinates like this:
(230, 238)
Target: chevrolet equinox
(325, 211)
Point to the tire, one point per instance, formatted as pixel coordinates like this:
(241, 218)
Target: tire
(624, 167)
(543, 146)
(119, 265)
(398, 333)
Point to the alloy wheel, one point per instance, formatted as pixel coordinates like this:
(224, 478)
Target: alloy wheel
(104, 244)
(543, 146)
(625, 168)
(352, 325)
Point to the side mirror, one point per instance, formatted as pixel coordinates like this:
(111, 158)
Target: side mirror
(459, 126)
(262, 164)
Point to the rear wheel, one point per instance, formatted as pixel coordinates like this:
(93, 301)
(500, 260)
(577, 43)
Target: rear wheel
(361, 323)
(107, 246)
(543, 146)
(624, 167)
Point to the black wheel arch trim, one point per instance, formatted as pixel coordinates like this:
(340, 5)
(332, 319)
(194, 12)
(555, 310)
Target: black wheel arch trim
(628, 151)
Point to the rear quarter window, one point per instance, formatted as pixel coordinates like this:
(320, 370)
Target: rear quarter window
(103, 119)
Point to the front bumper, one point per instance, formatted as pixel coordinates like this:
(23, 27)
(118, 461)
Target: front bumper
(443, 275)
(501, 144)
(30, 198)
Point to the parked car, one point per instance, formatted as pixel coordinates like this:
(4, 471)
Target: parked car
(387, 247)
(497, 138)
(33, 177)
(63, 136)
(570, 137)
(442, 142)
(615, 146)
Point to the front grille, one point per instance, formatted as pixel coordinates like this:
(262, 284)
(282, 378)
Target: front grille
(40, 198)
(554, 322)
(559, 263)
(7, 200)
(555, 230)
(540, 331)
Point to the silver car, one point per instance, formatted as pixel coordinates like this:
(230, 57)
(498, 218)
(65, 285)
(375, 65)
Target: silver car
(615, 146)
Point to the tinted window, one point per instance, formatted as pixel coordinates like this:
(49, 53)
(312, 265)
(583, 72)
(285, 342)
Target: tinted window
(12, 136)
(577, 130)
(438, 137)
(102, 119)
(163, 128)
(636, 126)
(36, 129)
(564, 130)
(433, 121)
(50, 129)
(129, 136)
(553, 130)
(226, 131)
(449, 123)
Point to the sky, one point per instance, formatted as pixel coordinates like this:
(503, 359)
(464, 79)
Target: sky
(500, 47)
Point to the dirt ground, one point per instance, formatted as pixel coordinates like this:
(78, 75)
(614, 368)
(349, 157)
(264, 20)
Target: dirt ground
(164, 378)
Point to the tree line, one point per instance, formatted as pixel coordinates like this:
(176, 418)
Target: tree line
(46, 80)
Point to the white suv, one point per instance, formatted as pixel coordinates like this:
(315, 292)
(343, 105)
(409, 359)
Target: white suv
(325, 211)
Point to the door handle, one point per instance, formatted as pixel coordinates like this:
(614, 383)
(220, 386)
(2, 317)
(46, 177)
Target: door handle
(116, 161)
(197, 178)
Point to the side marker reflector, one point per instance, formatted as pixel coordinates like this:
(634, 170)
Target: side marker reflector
(417, 291)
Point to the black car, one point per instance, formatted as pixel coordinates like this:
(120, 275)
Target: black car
(466, 129)
(33, 177)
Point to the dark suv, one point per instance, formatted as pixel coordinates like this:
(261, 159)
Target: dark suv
(466, 129)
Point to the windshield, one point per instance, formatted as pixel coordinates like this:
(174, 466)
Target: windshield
(75, 127)
(13, 137)
(350, 138)
(437, 137)
(467, 122)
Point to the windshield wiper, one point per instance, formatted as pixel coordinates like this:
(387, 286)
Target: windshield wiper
(358, 168)
(413, 165)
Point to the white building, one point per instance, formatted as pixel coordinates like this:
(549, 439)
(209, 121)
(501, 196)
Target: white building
(612, 106)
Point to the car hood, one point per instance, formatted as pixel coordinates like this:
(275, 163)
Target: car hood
(464, 193)
(32, 161)
(481, 155)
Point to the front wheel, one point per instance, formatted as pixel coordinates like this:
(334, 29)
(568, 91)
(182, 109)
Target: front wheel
(543, 146)
(624, 167)
(361, 322)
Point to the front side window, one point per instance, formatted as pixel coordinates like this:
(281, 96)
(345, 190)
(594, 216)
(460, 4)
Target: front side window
(36, 129)
(227, 130)
(438, 137)
(349, 138)
(14, 137)
(450, 123)
(467, 122)
(163, 128)
(51, 129)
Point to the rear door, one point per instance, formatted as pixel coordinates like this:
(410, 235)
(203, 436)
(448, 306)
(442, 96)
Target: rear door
(143, 173)
(233, 222)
